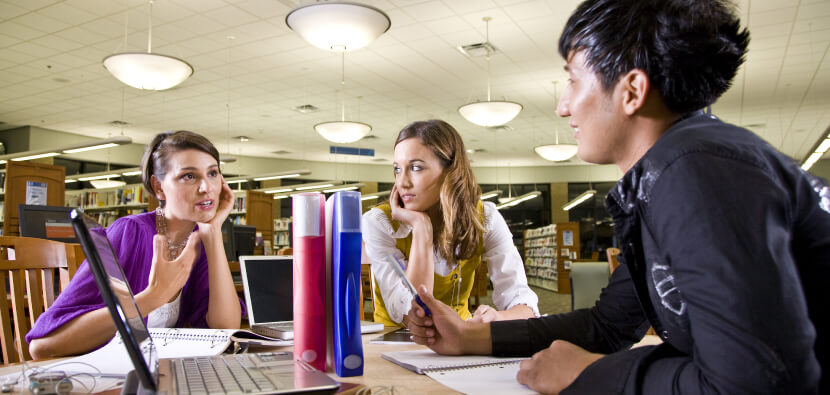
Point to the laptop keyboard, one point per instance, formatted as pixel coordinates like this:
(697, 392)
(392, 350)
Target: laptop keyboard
(222, 374)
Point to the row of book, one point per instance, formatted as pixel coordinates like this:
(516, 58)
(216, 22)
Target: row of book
(107, 198)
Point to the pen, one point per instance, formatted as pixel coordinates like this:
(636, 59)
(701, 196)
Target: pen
(396, 267)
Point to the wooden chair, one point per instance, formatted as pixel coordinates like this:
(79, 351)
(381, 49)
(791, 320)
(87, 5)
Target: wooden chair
(613, 262)
(28, 269)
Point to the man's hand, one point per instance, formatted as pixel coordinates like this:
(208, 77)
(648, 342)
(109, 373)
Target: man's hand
(444, 331)
(555, 368)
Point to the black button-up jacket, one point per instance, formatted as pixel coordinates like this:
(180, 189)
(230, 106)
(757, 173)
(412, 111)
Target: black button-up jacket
(726, 253)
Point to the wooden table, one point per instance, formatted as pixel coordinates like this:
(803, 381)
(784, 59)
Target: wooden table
(377, 372)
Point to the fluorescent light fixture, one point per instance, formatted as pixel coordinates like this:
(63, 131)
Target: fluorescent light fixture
(279, 190)
(488, 195)
(94, 147)
(226, 159)
(280, 196)
(98, 184)
(375, 195)
(85, 146)
(131, 173)
(348, 187)
(2, 162)
(280, 175)
(305, 188)
(68, 181)
(579, 199)
(36, 156)
(517, 200)
(99, 177)
(820, 148)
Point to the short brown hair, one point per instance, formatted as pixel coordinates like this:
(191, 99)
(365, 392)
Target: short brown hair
(158, 151)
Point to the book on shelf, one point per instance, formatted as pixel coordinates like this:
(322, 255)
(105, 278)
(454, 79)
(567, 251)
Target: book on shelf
(112, 360)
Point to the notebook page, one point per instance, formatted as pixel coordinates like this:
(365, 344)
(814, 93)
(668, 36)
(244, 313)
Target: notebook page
(422, 361)
(484, 380)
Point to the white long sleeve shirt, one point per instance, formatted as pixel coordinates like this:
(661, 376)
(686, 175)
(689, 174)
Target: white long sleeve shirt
(504, 263)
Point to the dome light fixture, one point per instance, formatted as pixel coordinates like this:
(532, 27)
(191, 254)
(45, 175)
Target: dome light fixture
(148, 70)
(556, 152)
(491, 112)
(332, 26)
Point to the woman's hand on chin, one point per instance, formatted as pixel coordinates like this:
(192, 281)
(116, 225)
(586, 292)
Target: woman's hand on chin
(406, 216)
(223, 209)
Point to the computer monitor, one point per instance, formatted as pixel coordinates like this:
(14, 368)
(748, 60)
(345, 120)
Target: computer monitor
(46, 222)
(227, 239)
(244, 240)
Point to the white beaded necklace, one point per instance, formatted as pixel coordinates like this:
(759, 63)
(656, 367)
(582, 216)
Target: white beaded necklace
(173, 249)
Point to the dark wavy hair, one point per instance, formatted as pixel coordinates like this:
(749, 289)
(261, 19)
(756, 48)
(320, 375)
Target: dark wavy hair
(158, 151)
(690, 49)
(459, 193)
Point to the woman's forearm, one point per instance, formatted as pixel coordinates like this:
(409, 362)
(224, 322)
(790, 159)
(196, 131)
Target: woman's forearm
(78, 336)
(517, 312)
(223, 303)
(421, 266)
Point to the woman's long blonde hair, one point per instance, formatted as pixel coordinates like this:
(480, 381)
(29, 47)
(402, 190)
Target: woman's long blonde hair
(460, 193)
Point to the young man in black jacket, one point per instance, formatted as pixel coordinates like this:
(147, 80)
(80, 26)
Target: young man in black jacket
(725, 241)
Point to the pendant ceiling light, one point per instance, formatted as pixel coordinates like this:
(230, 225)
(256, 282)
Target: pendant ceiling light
(489, 113)
(556, 152)
(339, 27)
(148, 70)
(335, 25)
(343, 131)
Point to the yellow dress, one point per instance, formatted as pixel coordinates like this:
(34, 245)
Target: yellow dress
(447, 289)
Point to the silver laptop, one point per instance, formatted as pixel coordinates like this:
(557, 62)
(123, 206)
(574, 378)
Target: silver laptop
(268, 282)
(264, 373)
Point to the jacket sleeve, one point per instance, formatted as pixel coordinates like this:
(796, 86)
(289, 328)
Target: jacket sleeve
(614, 323)
(726, 245)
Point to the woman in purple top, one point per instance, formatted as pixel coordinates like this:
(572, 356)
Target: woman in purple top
(173, 257)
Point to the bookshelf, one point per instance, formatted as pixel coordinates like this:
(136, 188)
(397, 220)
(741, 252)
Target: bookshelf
(282, 233)
(254, 208)
(108, 204)
(549, 252)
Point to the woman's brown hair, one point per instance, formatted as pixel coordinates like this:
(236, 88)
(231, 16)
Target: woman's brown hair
(158, 151)
(460, 193)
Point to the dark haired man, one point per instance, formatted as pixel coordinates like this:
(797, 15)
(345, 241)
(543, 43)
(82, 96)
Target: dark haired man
(725, 241)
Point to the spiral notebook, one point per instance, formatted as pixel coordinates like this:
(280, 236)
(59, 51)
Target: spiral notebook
(112, 360)
(470, 374)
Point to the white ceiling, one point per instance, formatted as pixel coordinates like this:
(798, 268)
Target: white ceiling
(51, 74)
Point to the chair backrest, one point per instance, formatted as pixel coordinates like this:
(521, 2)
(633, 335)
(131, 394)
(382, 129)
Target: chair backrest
(587, 281)
(28, 269)
(613, 262)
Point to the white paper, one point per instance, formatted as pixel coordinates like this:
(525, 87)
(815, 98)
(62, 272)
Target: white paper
(483, 380)
(36, 193)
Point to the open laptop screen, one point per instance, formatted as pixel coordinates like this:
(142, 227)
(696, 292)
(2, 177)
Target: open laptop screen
(118, 296)
(269, 287)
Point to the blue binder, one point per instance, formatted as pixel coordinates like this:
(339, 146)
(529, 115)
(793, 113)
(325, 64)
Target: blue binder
(345, 262)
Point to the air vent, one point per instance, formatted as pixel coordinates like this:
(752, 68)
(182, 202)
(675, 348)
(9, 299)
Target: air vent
(477, 50)
(281, 152)
(61, 80)
(476, 150)
(370, 137)
(380, 160)
(351, 151)
(305, 108)
(755, 125)
(242, 138)
(118, 123)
